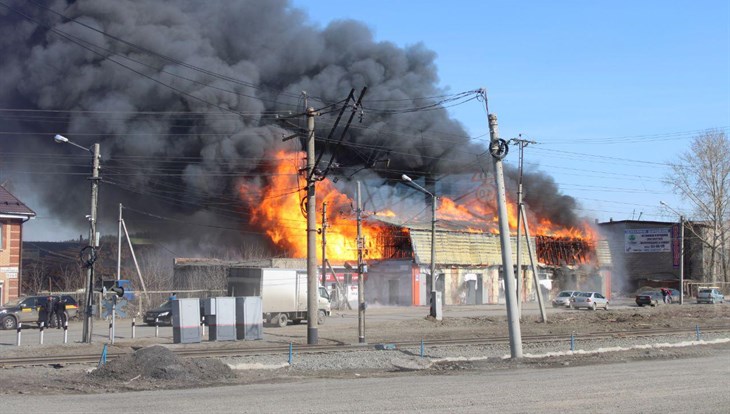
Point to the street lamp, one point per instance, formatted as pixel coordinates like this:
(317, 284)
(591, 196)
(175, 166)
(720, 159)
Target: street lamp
(89, 287)
(681, 253)
(435, 305)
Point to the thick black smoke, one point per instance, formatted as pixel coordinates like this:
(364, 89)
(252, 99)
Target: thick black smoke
(177, 152)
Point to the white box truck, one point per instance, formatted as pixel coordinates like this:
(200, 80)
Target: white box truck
(283, 293)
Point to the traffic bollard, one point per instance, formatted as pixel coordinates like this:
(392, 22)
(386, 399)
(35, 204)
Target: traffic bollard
(19, 329)
(65, 332)
(133, 333)
(699, 335)
(157, 327)
(572, 342)
(422, 348)
(202, 327)
(41, 336)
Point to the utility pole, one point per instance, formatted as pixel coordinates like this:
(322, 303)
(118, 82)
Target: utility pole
(312, 289)
(435, 305)
(498, 149)
(522, 220)
(119, 271)
(360, 282)
(88, 316)
(324, 243)
(681, 261)
(522, 144)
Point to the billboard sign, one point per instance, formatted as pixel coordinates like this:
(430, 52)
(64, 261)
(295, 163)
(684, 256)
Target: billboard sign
(648, 240)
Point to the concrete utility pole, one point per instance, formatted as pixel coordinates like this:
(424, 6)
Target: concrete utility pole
(360, 275)
(312, 288)
(89, 299)
(498, 149)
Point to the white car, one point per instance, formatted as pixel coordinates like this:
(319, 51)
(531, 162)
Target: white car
(589, 300)
(563, 298)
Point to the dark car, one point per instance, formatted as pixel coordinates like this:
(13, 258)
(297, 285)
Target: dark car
(27, 310)
(161, 315)
(649, 297)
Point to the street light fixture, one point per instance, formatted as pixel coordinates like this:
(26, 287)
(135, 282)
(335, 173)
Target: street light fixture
(435, 304)
(681, 252)
(89, 286)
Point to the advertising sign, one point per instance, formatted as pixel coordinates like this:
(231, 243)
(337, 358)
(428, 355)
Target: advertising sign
(648, 240)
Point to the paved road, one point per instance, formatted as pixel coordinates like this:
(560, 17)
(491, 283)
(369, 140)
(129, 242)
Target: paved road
(640, 387)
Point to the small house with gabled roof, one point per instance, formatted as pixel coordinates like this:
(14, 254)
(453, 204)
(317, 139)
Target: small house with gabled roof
(13, 213)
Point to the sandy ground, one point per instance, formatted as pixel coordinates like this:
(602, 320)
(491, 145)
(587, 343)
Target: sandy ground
(147, 366)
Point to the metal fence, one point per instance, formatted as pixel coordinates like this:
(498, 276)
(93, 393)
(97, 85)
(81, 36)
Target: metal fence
(137, 306)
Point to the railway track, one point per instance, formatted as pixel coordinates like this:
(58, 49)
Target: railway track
(203, 350)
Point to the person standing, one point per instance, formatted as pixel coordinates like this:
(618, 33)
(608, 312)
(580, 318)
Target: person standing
(59, 312)
(172, 297)
(43, 311)
(665, 294)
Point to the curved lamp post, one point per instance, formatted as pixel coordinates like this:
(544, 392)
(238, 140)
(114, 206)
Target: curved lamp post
(435, 306)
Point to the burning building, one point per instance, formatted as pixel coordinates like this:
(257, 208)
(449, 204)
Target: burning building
(187, 101)
(397, 242)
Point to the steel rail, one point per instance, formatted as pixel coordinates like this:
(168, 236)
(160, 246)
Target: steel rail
(206, 351)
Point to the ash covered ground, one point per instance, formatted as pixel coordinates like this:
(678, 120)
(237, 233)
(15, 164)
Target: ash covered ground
(150, 364)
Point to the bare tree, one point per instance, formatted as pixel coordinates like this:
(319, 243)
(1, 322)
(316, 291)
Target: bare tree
(702, 176)
(35, 276)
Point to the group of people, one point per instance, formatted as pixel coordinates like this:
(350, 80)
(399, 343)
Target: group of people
(52, 312)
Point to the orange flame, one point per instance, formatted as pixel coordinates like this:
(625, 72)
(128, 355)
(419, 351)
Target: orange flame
(278, 206)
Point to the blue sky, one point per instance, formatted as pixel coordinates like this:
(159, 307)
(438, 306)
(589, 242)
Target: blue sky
(611, 91)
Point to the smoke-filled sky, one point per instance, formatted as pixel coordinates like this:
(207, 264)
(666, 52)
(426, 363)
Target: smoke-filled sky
(610, 91)
(186, 98)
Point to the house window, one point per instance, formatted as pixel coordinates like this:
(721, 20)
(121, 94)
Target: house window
(2, 236)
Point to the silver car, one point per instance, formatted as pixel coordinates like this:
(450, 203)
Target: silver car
(589, 300)
(563, 298)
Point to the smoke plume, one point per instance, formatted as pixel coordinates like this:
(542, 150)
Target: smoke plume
(181, 96)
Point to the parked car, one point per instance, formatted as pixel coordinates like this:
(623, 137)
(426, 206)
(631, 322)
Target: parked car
(649, 297)
(589, 300)
(710, 295)
(26, 310)
(563, 298)
(161, 315)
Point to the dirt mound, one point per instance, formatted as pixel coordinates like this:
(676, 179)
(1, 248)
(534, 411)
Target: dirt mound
(158, 362)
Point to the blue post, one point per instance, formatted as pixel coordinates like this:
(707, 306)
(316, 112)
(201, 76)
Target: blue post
(572, 342)
(102, 359)
(422, 350)
(699, 335)
(290, 353)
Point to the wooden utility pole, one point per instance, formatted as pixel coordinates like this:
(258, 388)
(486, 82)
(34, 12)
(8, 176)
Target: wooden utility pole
(522, 220)
(324, 243)
(360, 275)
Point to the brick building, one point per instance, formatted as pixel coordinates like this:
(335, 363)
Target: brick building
(13, 213)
